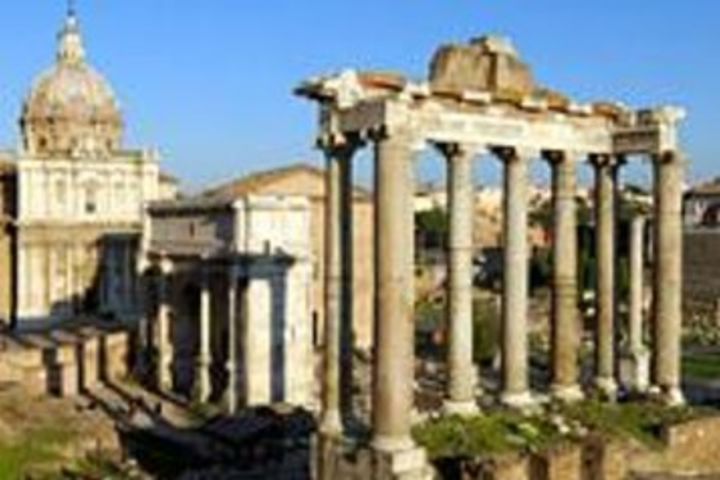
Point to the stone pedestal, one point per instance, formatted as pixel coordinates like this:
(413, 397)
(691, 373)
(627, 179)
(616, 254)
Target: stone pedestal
(63, 379)
(407, 464)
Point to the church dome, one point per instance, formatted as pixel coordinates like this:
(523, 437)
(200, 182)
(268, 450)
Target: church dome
(71, 110)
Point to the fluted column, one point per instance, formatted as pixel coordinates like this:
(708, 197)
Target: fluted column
(394, 326)
(338, 162)
(233, 343)
(605, 177)
(164, 343)
(514, 387)
(460, 396)
(565, 315)
(667, 293)
(205, 359)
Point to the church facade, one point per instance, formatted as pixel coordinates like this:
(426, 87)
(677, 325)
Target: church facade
(73, 199)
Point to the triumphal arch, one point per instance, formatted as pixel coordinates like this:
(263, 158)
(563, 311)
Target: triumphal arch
(481, 98)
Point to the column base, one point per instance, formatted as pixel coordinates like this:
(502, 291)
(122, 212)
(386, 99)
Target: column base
(567, 393)
(668, 396)
(331, 424)
(635, 370)
(517, 400)
(401, 464)
(606, 387)
(389, 444)
(467, 408)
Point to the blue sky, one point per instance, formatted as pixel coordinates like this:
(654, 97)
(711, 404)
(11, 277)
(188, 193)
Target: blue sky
(209, 82)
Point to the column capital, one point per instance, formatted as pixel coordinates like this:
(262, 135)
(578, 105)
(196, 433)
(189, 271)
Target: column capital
(452, 150)
(166, 265)
(406, 135)
(560, 156)
(670, 157)
(600, 160)
(510, 154)
(339, 143)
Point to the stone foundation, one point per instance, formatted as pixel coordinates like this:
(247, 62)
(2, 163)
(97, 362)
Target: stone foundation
(689, 449)
(68, 366)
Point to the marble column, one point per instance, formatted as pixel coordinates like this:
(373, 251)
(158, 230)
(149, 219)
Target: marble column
(205, 360)
(667, 295)
(393, 372)
(514, 382)
(338, 158)
(634, 366)
(566, 326)
(605, 178)
(460, 395)
(164, 343)
(232, 354)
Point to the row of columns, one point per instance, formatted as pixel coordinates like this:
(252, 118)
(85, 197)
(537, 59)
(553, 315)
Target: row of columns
(164, 344)
(393, 374)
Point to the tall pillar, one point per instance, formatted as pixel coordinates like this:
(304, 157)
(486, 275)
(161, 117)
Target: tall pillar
(394, 326)
(460, 396)
(337, 168)
(164, 344)
(514, 388)
(634, 366)
(667, 293)
(205, 360)
(347, 263)
(233, 354)
(566, 327)
(605, 177)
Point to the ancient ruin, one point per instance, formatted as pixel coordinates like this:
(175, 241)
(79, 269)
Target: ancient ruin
(482, 99)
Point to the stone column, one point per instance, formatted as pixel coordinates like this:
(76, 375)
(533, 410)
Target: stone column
(232, 357)
(514, 386)
(460, 396)
(605, 177)
(164, 343)
(338, 158)
(205, 360)
(347, 308)
(393, 373)
(634, 367)
(667, 293)
(566, 327)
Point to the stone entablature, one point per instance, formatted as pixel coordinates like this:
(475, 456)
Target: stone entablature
(365, 103)
(251, 225)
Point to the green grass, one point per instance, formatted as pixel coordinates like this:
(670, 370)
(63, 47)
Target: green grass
(502, 432)
(702, 366)
(484, 435)
(642, 421)
(36, 449)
